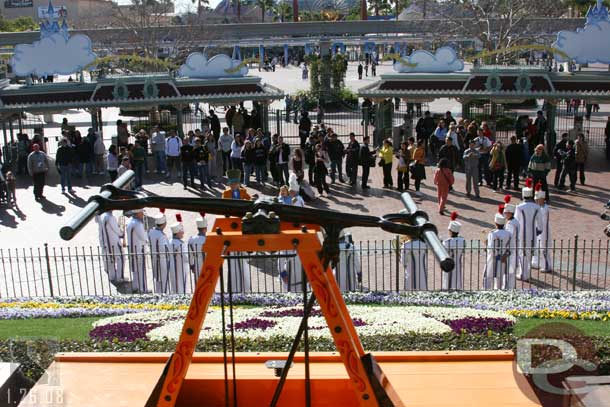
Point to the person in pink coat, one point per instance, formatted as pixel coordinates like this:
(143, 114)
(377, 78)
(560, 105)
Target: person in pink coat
(443, 179)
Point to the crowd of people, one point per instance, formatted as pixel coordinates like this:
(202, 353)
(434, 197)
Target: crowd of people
(471, 148)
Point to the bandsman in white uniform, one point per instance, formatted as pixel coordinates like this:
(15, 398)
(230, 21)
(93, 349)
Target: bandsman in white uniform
(528, 215)
(112, 248)
(514, 261)
(195, 246)
(455, 245)
(136, 246)
(348, 272)
(414, 257)
(239, 269)
(291, 272)
(240, 273)
(543, 256)
(159, 248)
(499, 248)
(179, 281)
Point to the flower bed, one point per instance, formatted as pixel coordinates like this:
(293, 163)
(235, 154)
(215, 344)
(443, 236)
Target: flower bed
(593, 305)
(269, 323)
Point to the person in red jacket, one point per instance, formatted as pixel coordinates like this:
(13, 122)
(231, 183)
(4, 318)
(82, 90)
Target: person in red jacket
(443, 179)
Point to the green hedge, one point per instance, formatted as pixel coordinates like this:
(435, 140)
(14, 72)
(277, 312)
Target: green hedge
(36, 355)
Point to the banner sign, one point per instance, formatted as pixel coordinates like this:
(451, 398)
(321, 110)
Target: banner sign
(58, 12)
(18, 3)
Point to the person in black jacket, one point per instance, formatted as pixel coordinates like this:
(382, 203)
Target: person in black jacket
(351, 160)
(514, 162)
(424, 128)
(336, 151)
(248, 157)
(450, 152)
(84, 152)
(63, 160)
(260, 161)
(310, 155)
(558, 151)
(214, 124)
(304, 128)
(187, 158)
(281, 156)
(568, 166)
(367, 160)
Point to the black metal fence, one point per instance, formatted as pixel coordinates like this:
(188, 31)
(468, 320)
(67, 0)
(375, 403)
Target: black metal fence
(577, 264)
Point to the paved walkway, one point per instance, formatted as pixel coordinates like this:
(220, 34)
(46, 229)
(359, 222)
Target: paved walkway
(34, 223)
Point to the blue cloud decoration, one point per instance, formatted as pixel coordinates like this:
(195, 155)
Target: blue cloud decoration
(444, 60)
(589, 44)
(56, 52)
(197, 65)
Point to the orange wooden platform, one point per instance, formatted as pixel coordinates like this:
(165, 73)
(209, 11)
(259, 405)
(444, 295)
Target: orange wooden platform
(440, 379)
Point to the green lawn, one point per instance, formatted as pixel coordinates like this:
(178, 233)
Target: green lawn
(62, 328)
(78, 328)
(589, 328)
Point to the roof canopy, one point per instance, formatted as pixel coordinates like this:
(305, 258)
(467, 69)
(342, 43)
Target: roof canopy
(498, 83)
(133, 90)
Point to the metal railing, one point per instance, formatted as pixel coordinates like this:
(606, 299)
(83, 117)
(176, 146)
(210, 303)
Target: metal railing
(377, 265)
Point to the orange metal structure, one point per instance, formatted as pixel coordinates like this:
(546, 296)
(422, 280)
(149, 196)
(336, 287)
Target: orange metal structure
(422, 379)
(226, 237)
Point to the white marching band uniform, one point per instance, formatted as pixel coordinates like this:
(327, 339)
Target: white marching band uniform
(111, 235)
(514, 261)
(195, 248)
(528, 215)
(414, 257)
(348, 270)
(291, 271)
(543, 258)
(499, 246)
(137, 239)
(196, 255)
(159, 247)
(456, 247)
(239, 269)
(179, 281)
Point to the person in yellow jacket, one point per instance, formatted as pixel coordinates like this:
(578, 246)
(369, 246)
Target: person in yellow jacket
(386, 153)
(235, 190)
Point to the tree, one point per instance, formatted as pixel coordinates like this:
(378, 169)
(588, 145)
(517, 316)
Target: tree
(144, 19)
(498, 24)
(400, 5)
(380, 7)
(581, 6)
(264, 6)
(18, 24)
(201, 5)
(282, 12)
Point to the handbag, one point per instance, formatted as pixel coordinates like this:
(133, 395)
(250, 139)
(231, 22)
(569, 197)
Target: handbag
(381, 162)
